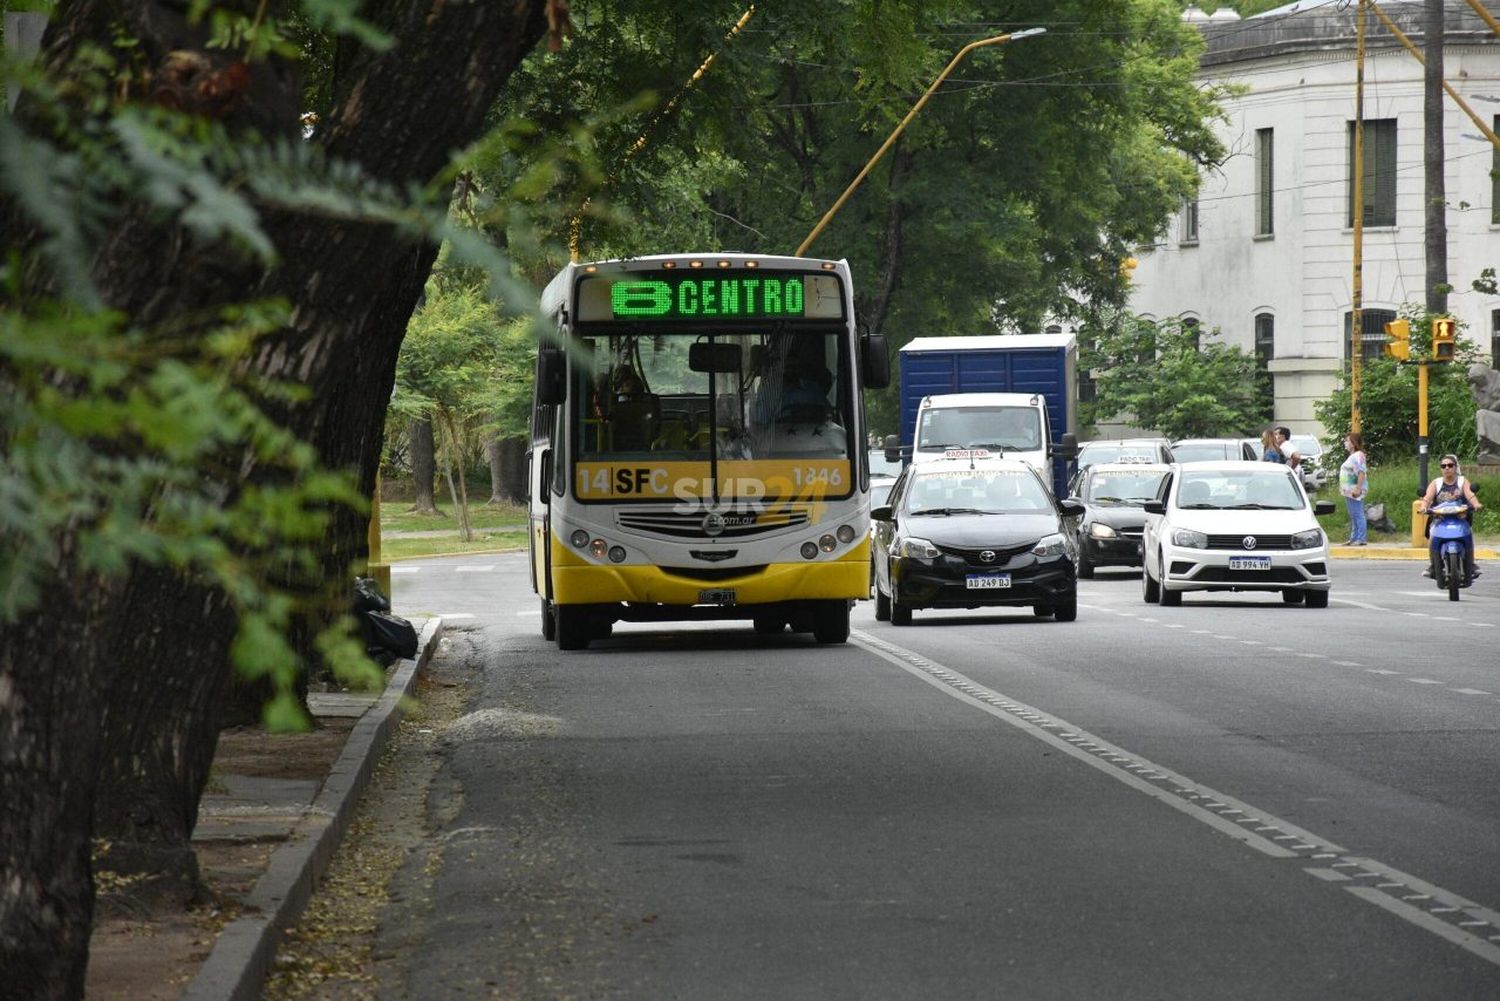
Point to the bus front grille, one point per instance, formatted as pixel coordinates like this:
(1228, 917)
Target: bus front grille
(711, 526)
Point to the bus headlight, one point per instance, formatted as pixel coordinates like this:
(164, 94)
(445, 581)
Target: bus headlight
(809, 550)
(579, 538)
(617, 554)
(846, 534)
(598, 548)
(827, 543)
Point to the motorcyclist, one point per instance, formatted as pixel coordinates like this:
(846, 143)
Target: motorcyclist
(1451, 487)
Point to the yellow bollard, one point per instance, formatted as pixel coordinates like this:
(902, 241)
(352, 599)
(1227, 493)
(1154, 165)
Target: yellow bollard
(1418, 526)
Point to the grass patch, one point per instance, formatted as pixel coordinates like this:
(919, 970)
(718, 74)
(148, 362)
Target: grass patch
(406, 549)
(1395, 486)
(395, 518)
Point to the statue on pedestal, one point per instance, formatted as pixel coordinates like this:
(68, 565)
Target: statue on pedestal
(1484, 382)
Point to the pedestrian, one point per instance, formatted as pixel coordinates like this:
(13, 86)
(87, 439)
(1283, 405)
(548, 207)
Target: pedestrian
(1354, 484)
(1268, 450)
(1289, 453)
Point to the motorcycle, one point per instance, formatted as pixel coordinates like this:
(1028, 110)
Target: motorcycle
(1449, 531)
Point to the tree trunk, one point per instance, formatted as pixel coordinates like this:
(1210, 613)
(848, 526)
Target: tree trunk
(399, 114)
(423, 467)
(496, 459)
(453, 456)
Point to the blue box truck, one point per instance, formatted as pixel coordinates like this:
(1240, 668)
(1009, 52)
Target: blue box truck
(1039, 365)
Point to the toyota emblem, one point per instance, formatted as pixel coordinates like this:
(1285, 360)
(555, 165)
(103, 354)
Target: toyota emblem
(1248, 542)
(713, 524)
(988, 556)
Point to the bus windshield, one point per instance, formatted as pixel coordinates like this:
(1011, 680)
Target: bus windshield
(670, 399)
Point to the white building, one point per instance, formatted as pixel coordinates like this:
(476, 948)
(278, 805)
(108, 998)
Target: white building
(1265, 254)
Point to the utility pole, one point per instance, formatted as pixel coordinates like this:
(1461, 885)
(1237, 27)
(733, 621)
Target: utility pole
(1436, 232)
(1357, 214)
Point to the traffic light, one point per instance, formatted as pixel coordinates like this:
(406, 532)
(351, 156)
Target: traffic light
(1444, 332)
(1398, 345)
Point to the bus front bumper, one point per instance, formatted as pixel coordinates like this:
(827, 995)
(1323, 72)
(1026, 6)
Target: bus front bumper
(579, 582)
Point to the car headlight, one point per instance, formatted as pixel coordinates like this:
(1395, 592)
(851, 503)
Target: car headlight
(919, 548)
(1051, 545)
(1099, 530)
(1189, 539)
(1310, 539)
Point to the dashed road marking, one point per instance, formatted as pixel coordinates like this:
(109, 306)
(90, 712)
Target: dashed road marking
(1426, 681)
(485, 568)
(1470, 691)
(1449, 915)
(405, 570)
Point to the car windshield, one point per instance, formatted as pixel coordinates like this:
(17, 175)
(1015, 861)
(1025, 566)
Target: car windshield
(1121, 487)
(1204, 451)
(972, 491)
(1253, 490)
(1093, 455)
(1000, 428)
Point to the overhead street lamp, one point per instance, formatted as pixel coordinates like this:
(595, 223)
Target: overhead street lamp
(962, 53)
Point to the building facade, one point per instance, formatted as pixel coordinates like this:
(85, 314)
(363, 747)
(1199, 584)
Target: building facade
(1265, 253)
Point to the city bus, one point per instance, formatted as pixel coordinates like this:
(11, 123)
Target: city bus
(698, 446)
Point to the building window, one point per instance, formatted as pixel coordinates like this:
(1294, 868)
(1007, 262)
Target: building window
(1265, 339)
(1495, 177)
(1372, 333)
(1379, 173)
(1265, 182)
(1193, 327)
(1495, 338)
(1190, 221)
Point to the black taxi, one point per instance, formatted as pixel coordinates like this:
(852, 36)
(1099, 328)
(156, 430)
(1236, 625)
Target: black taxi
(972, 530)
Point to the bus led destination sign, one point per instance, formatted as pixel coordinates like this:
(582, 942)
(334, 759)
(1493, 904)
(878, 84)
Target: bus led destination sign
(740, 295)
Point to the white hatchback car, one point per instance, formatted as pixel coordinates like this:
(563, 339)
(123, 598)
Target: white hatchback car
(1234, 526)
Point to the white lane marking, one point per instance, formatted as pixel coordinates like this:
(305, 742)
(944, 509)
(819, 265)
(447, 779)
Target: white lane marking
(1176, 790)
(1079, 745)
(1470, 691)
(1314, 656)
(1359, 604)
(1415, 594)
(487, 568)
(1203, 632)
(1446, 618)
(396, 570)
(1348, 663)
(1420, 918)
(1425, 681)
(1483, 625)
(1221, 636)
(531, 611)
(1279, 649)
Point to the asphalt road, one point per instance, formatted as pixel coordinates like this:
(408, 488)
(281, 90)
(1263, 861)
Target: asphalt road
(1229, 799)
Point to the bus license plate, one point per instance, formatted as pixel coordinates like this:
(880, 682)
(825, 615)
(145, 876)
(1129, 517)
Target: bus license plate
(1249, 562)
(716, 596)
(983, 582)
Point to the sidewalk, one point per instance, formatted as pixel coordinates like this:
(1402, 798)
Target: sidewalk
(273, 814)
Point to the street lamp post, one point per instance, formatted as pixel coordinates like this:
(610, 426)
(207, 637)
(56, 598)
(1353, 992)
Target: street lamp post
(891, 140)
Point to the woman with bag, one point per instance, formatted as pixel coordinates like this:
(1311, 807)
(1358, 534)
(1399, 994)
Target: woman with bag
(1354, 483)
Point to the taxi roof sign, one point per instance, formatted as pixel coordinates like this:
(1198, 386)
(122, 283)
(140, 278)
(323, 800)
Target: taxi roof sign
(967, 453)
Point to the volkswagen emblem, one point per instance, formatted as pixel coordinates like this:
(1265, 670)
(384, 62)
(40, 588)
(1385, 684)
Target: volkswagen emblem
(713, 524)
(988, 556)
(1248, 542)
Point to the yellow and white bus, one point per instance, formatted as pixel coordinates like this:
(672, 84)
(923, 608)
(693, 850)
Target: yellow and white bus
(698, 446)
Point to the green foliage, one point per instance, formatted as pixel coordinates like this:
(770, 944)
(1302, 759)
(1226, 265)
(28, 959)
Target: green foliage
(1388, 403)
(1168, 377)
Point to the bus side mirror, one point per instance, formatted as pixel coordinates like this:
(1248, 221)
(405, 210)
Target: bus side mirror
(875, 363)
(551, 376)
(1067, 448)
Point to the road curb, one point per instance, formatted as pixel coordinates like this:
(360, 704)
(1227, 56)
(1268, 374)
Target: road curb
(237, 968)
(470, 552)
(1399, 553)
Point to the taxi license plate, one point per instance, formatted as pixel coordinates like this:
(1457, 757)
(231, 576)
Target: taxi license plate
(717, 596)
(983, 582)
(1249, 562)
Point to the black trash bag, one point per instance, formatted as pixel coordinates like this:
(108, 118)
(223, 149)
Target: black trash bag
(388, 633)
(367, 596)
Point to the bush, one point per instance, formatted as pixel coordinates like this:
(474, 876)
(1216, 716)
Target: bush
(1395, 485)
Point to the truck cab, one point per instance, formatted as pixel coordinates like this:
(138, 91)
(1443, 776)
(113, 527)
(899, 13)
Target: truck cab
(1010, 424)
